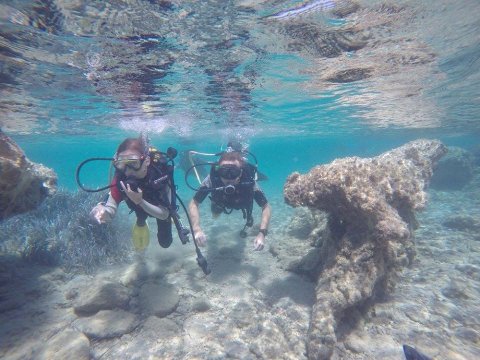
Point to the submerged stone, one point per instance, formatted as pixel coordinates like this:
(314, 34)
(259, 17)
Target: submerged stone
(102, 296)
(158, 299)
(107, 324)
(371, 205)
(23, 184)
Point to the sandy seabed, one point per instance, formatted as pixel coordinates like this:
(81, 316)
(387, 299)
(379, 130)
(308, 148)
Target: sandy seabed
(161, 305)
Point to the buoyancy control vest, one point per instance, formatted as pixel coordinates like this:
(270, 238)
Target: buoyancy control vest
(241, 198)
(155, 184)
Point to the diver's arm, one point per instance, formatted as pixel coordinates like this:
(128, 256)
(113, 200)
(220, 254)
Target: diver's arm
(157, 211)
(261, 200)
(104, 212)
(259, 242)
(194, 215)
(198, 235)
(199, 196)
(266, 213)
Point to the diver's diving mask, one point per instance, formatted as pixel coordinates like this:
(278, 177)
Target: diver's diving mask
(132, 162)
(229, 172)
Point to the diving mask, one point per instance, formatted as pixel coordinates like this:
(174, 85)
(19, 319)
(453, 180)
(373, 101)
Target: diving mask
(229, 172)
(131, 162)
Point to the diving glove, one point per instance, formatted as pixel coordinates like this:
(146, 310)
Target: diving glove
(140, 237)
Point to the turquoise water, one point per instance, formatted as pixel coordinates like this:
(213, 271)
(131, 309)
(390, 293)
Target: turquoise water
(300, 83)
(277, 157)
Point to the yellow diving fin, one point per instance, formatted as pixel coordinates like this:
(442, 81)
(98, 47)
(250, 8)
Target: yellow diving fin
(140, 237)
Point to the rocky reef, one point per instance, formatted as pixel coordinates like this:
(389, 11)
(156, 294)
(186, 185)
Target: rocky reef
(371, 206)
(23, 184)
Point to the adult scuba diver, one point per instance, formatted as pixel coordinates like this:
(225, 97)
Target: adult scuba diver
(144, 179)
(232, 185)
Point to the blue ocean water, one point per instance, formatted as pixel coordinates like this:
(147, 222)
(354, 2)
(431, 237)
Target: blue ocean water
(300, 83)
(277, 157)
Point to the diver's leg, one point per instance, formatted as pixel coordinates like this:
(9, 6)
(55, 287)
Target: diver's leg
(141, 217)
(164, 232)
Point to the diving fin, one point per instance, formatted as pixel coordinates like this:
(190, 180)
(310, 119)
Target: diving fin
(140, 237)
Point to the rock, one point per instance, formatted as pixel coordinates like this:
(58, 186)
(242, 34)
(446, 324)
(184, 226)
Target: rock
(290, 253)
(102, 296)
(107, 324)
(371, 205)
(161, 328)
(308, 264)
(201, 306)
(158, 299)
(301, 224)
(454, 171)
(357, 344)
(302, 257)
(68, 344)
(462, 223)
(237, 350)
(23, 184)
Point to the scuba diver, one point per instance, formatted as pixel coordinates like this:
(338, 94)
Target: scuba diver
(141, 179)
(144, 179)
(233, 185)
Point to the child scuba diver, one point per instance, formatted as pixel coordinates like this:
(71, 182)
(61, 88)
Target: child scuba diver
(141, 179)
(144, 179)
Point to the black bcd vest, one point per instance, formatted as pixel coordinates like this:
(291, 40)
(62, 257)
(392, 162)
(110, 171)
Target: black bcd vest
(154, 184)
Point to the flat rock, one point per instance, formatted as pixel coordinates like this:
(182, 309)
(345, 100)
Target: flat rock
(201, 305)
(107, 324)
(162, 328)
(158, 299)
(101, 296)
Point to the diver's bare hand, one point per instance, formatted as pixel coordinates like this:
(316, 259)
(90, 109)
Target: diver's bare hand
(99, 214)
(200, 238)
(259, 242)
(135, 196)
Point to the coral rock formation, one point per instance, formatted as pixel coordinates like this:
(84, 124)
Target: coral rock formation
(371, 204)
(23, 184)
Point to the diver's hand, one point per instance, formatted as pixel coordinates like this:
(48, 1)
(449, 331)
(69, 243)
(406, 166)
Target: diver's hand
(200, 238)
(259, 242)
(135, 196)
(99, 214)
